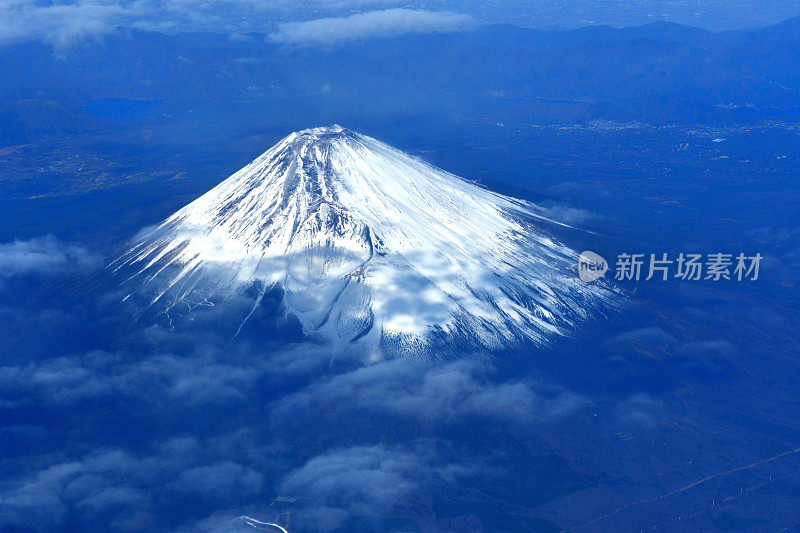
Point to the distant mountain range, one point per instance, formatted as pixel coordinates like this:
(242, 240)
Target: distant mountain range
(659, 73)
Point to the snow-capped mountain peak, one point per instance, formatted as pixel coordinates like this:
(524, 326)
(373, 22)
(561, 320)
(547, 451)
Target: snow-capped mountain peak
(368, 245)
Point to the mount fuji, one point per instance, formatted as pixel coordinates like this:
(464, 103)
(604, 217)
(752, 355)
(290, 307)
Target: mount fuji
(368, 246)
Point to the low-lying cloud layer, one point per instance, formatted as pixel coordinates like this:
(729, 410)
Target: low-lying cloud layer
(134, 426)
(184, 430)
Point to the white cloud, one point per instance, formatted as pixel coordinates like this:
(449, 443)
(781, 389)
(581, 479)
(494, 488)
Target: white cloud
(453, 391)
(383, 23)
(194, 381)
(124, 487)
(366, 477)
(367, 481)
(61, 22)
(43, 255)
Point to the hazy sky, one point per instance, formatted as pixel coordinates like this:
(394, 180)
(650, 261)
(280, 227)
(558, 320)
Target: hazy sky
(326, 21)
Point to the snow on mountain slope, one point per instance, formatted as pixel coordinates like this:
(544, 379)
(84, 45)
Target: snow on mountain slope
(368, 245)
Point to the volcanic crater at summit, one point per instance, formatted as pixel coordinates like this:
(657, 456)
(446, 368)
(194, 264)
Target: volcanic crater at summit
(368, 246)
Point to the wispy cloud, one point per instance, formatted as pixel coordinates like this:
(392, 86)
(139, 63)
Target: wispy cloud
(59, 23)
(121, 489)
(43, 255)
(383, 23)
(367, 480)
(454, 391)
